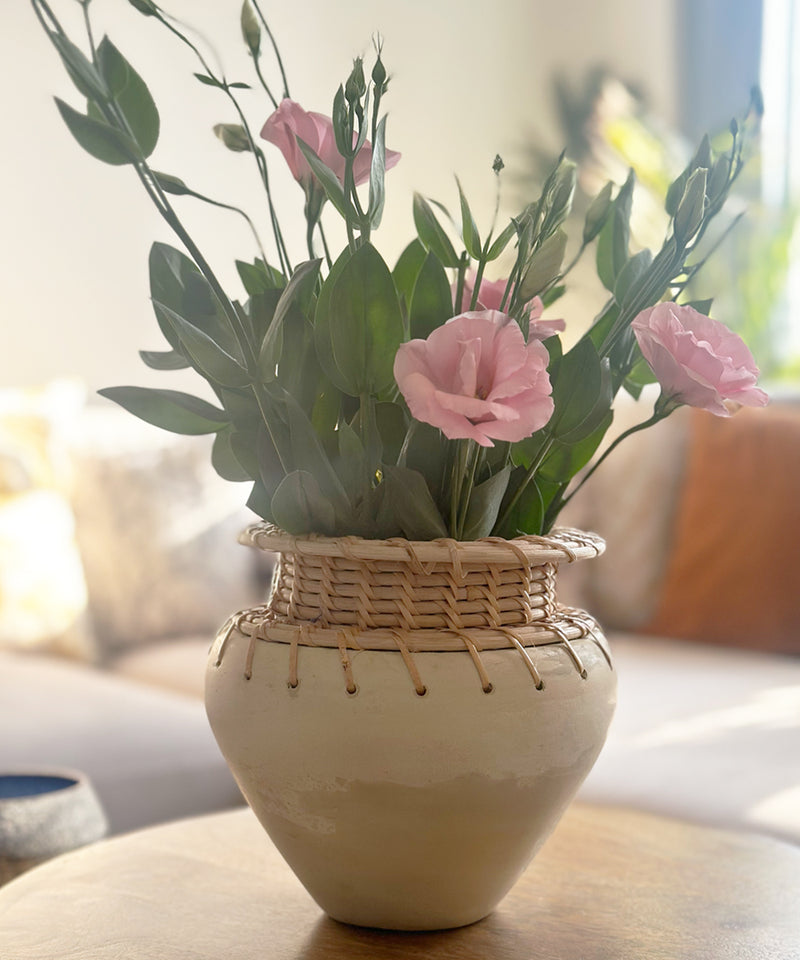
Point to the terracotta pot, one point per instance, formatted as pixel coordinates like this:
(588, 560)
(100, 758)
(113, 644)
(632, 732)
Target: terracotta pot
(409, 721)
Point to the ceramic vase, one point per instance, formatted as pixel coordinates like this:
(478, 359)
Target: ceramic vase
(409, 720)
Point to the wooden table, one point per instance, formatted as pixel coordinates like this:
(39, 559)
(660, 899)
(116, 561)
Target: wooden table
(609, 885)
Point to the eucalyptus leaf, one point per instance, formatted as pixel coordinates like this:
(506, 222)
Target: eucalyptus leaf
(169, 409)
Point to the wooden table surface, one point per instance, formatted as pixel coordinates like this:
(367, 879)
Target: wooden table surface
(610, 884)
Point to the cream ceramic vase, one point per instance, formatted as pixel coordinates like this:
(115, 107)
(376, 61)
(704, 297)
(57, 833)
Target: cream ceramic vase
(409, 721)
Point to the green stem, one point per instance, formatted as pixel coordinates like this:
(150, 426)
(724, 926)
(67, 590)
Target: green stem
(264, 84)
(466, 494)
(478, 281)
(274, 47)
(651, 421)
(325, 245)
(545, 449)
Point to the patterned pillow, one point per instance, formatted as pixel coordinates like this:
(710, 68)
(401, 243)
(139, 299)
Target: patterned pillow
(158, 532)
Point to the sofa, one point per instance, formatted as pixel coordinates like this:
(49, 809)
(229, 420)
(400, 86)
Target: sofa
(698, 593)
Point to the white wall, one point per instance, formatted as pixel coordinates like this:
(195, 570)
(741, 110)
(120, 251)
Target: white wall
(466, 84)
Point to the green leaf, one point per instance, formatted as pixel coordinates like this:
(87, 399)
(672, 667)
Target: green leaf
(527, 515)
(297, 291)
(425, 453)
(544, 266)
(689, 214)
(407, 270)
(432, 299)
(411, 505)
(147, 7)
(209, 81)
(131, 95)
(630, 277)
(431, 233)
(328, 179)
(469, 229)
(168, 409)
(612, 244)
(81, 70)
(501, 242)
(597, 214)
(98, 138)
(309, 455)
(251, 30)
(257, 277)
(484, 505)
(578, 385)
(299, 506)
(176, 282)
(639, 377)
(211, 360)
(363, 326)
(565, 460)
(225, 461)
(392, 426)
(377, 174)
(163, 360)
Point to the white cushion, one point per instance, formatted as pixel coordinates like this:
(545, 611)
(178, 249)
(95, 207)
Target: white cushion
(707, 734)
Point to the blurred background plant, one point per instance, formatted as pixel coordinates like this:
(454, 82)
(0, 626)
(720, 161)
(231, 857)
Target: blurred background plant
(608, 128)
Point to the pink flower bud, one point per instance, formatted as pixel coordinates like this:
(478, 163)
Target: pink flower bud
(291, 121)
(491, 296)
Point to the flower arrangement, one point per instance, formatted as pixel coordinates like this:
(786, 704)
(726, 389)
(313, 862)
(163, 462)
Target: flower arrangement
(420, 400)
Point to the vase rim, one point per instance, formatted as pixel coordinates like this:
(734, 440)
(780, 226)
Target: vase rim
(562, 544)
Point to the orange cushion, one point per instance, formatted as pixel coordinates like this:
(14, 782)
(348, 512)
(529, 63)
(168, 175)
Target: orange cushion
(733, 575)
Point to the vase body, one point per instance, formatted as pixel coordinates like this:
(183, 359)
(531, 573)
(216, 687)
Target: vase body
(410, 734)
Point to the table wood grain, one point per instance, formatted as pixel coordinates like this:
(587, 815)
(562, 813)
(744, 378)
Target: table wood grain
(610, 884)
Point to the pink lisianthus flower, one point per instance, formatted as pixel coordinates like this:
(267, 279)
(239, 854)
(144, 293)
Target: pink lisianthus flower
(475, 377)
(291, 121)
(491, 297)
(698, 361)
